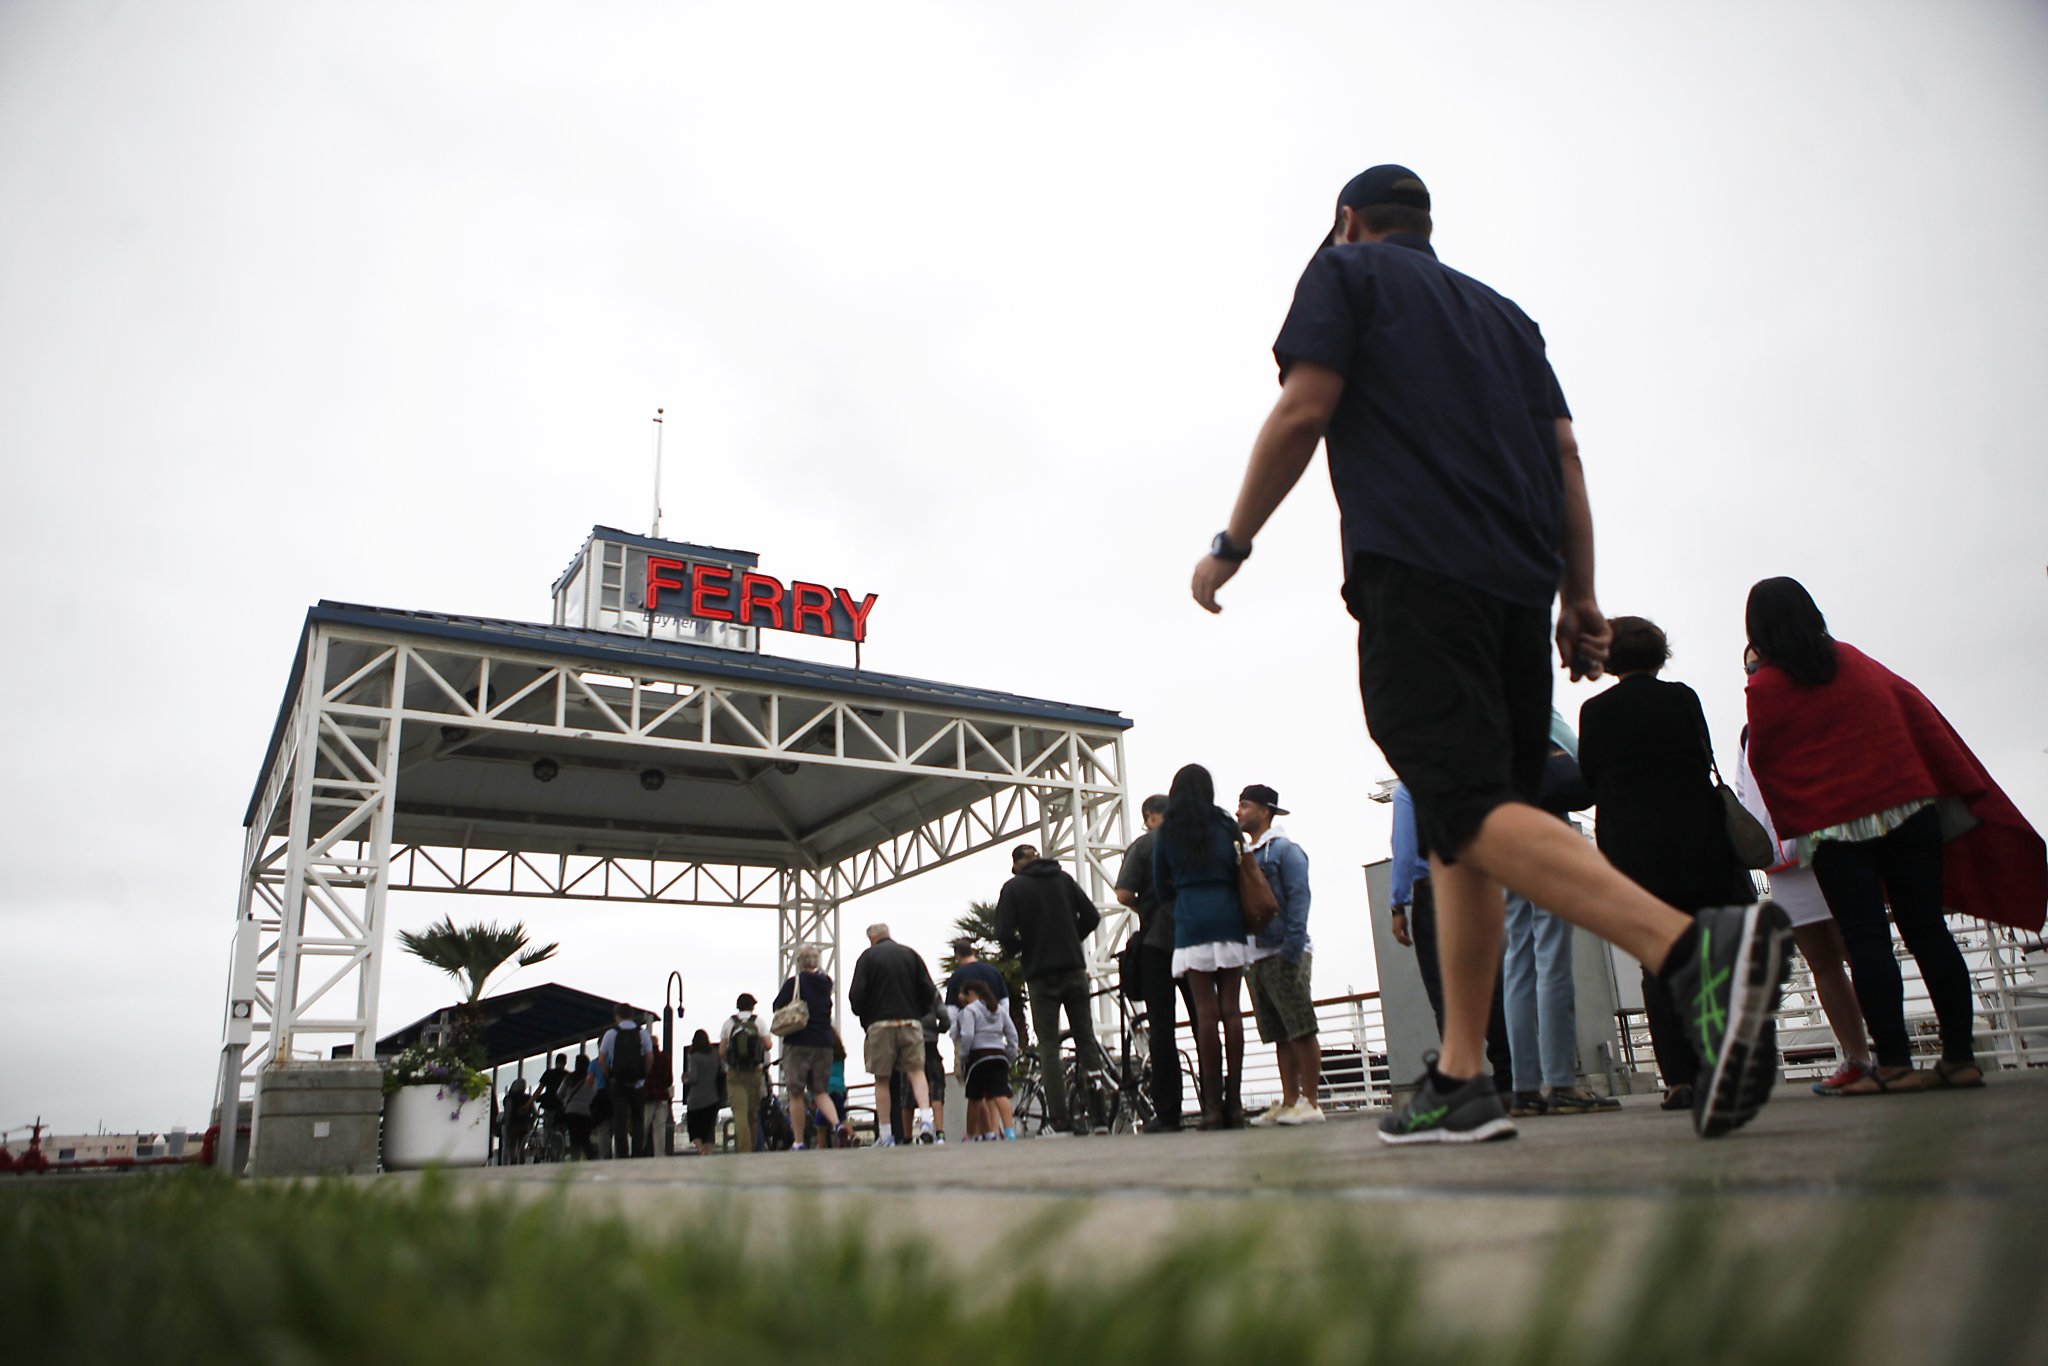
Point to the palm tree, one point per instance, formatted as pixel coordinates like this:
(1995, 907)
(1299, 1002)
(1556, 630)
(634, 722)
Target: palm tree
(979, 925)
(470, 954)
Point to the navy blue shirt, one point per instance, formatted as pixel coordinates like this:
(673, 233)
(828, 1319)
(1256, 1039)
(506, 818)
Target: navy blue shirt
(1443, 448)
(983, 974)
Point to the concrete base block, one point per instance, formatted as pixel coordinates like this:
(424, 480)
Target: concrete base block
(318, 1118)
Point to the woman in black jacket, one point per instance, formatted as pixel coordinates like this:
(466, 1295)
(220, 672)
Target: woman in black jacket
(1644, 750)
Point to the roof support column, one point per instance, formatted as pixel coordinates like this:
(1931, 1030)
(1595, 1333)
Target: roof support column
(337, 857)
(808, 922)
(1101, 806)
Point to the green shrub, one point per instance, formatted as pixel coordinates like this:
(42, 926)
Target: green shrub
(192, 1268)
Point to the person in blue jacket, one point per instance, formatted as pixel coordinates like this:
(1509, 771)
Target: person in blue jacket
(1282, 1002)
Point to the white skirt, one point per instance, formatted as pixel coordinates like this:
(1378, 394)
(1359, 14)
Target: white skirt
(1229, 953)
(1797, 890)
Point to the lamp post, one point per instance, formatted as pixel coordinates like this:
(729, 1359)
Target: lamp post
(671, 1009)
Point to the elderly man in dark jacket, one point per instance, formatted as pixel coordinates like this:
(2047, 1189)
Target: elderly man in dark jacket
(1042, 916)
(892, 992)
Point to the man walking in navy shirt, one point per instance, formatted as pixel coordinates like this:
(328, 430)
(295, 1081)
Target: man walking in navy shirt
(1465, 516)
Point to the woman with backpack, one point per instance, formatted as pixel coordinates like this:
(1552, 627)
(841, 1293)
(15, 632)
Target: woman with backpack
(1194, 866)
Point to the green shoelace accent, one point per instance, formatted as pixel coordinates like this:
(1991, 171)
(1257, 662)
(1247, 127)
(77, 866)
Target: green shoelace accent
(1422, 1119)
(1713, 1020)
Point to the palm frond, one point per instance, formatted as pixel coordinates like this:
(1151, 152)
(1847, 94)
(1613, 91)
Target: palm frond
(471, 953)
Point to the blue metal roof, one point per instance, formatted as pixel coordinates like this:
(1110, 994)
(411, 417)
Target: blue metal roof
(604, 647)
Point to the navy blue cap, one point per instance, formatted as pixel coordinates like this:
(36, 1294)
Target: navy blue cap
(1388, 184)
(1264, 796)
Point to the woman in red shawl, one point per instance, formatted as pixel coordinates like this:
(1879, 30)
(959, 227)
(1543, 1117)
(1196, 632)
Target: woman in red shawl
(1881, 796)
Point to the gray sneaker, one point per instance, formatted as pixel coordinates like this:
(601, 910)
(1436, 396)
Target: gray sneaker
(1725, 998)
(1580, 1101)
(1441, 1111)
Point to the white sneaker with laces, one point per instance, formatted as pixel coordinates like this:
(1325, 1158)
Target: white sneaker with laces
(1268, 1116)
(1303, 1111)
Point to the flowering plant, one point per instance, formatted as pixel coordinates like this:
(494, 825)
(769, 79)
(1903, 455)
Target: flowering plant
(435, 1065)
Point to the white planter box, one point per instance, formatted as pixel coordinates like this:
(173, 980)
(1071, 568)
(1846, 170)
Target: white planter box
(428, 1126)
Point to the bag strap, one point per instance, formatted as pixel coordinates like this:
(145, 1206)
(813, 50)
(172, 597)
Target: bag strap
(1713, 766)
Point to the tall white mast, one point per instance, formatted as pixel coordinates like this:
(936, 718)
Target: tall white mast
(657, 472)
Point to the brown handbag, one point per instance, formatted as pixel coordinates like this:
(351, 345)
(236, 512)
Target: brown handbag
(1255, 894)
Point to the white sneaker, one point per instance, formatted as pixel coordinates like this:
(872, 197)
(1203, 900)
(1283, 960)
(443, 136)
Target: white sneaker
(887, 1140)
(1268, 1116)
(1303, 1111)
(925, 1133)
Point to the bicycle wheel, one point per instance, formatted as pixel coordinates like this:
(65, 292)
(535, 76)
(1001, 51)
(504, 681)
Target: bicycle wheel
(1029, 1108)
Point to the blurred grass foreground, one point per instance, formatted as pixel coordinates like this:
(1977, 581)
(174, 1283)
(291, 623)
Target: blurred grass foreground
(190, 1268)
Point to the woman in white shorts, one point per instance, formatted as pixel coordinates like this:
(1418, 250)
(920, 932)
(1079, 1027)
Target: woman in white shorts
(1797, 892)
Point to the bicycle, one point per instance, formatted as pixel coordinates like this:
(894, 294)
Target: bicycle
(547, 1140)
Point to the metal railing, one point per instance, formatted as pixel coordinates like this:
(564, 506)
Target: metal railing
(1354, 1038)
(2008, 975)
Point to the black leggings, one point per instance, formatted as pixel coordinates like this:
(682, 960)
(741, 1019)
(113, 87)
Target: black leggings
(1904, 867)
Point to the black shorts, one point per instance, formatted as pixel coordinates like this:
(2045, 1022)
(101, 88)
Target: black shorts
(988, 1074)
(1456, 684)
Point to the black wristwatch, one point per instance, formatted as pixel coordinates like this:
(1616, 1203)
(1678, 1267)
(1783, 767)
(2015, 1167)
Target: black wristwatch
(1223, 549)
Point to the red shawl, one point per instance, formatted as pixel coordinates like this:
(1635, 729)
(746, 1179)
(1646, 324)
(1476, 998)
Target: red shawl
(1869, 741)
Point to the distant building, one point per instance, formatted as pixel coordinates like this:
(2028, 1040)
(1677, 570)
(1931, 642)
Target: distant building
(137, 1147)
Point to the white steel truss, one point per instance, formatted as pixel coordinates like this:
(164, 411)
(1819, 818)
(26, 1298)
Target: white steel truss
(322, 854)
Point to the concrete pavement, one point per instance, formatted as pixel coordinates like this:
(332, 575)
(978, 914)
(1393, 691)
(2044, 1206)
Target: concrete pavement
(1950, 1172)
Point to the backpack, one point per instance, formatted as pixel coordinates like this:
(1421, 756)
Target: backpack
(772, 1127)
(743, 1052)
(629, 1060)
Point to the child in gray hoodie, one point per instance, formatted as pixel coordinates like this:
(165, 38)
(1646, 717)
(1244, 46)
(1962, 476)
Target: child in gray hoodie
(985, 1045)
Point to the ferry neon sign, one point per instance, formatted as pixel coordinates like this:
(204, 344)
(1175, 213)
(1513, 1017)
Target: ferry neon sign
(747, 597)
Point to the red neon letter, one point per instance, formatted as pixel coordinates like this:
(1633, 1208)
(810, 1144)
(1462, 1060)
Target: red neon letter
(810, 600)
(656, 580)
(858, 615)
(709, 580)
(759, 590)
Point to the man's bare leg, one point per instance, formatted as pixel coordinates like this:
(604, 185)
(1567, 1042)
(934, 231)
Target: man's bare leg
(1469, 918)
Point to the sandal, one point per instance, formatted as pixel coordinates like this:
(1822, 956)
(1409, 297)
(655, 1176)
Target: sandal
(1961, 1076)
(1875, 1083)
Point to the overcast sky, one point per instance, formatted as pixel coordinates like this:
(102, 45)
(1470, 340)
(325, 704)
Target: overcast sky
(968, 308)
